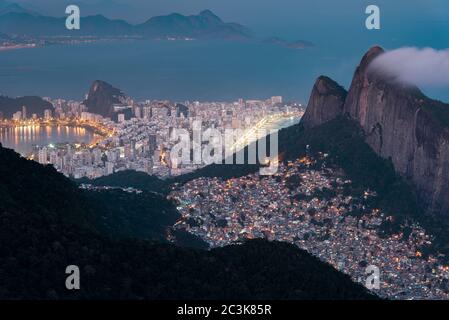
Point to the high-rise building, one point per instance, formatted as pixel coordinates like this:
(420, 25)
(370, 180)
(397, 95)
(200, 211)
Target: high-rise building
(276, 100)
(17, 116)
(24, 112)
(47, 114)
(53, 157)
(148, 166)
(69, 151)
(97, 155)
(109, 168)
(42, 157)
(138, 112)
(152, 143)
(147, 112)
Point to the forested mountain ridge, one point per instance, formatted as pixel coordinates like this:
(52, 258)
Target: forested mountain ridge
(47, 224)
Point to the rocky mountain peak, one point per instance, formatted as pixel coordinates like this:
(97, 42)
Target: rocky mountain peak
(101, 98)
(209, 14)
(326, 102)
(369, 56)
(399, 123)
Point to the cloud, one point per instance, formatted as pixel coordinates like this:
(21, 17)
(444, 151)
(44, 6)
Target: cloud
(422, 67)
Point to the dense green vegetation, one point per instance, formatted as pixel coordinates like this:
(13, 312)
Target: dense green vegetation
(343, 141)
(40, 190)
(47, 223)
(30, 187)
(143, 216)
(130, 178)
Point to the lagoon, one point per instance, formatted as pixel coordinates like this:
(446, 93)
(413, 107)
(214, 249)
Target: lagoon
(23, 138)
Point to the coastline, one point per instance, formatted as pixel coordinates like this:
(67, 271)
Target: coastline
(94, 128)
(96, 132)
(18, 47)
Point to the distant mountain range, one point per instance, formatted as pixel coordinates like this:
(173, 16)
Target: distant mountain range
(109, 8)
(15, 20)
(10, 7)
(18, 21)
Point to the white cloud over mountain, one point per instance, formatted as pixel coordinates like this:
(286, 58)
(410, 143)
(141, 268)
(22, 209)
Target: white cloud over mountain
(422, 67)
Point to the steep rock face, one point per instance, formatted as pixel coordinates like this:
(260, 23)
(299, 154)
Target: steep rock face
(326, 102)
(402, 124)
(102, 97)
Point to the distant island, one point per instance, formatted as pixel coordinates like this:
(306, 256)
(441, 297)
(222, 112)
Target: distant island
(298, 45)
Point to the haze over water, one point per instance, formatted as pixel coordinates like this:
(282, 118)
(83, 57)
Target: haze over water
(220, 70)
(176, 70)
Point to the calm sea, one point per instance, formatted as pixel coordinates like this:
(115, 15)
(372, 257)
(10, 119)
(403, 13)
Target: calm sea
(22, 139)
(181, 70)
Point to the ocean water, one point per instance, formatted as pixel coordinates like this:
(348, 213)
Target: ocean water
(192, 70)
(175, 70)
